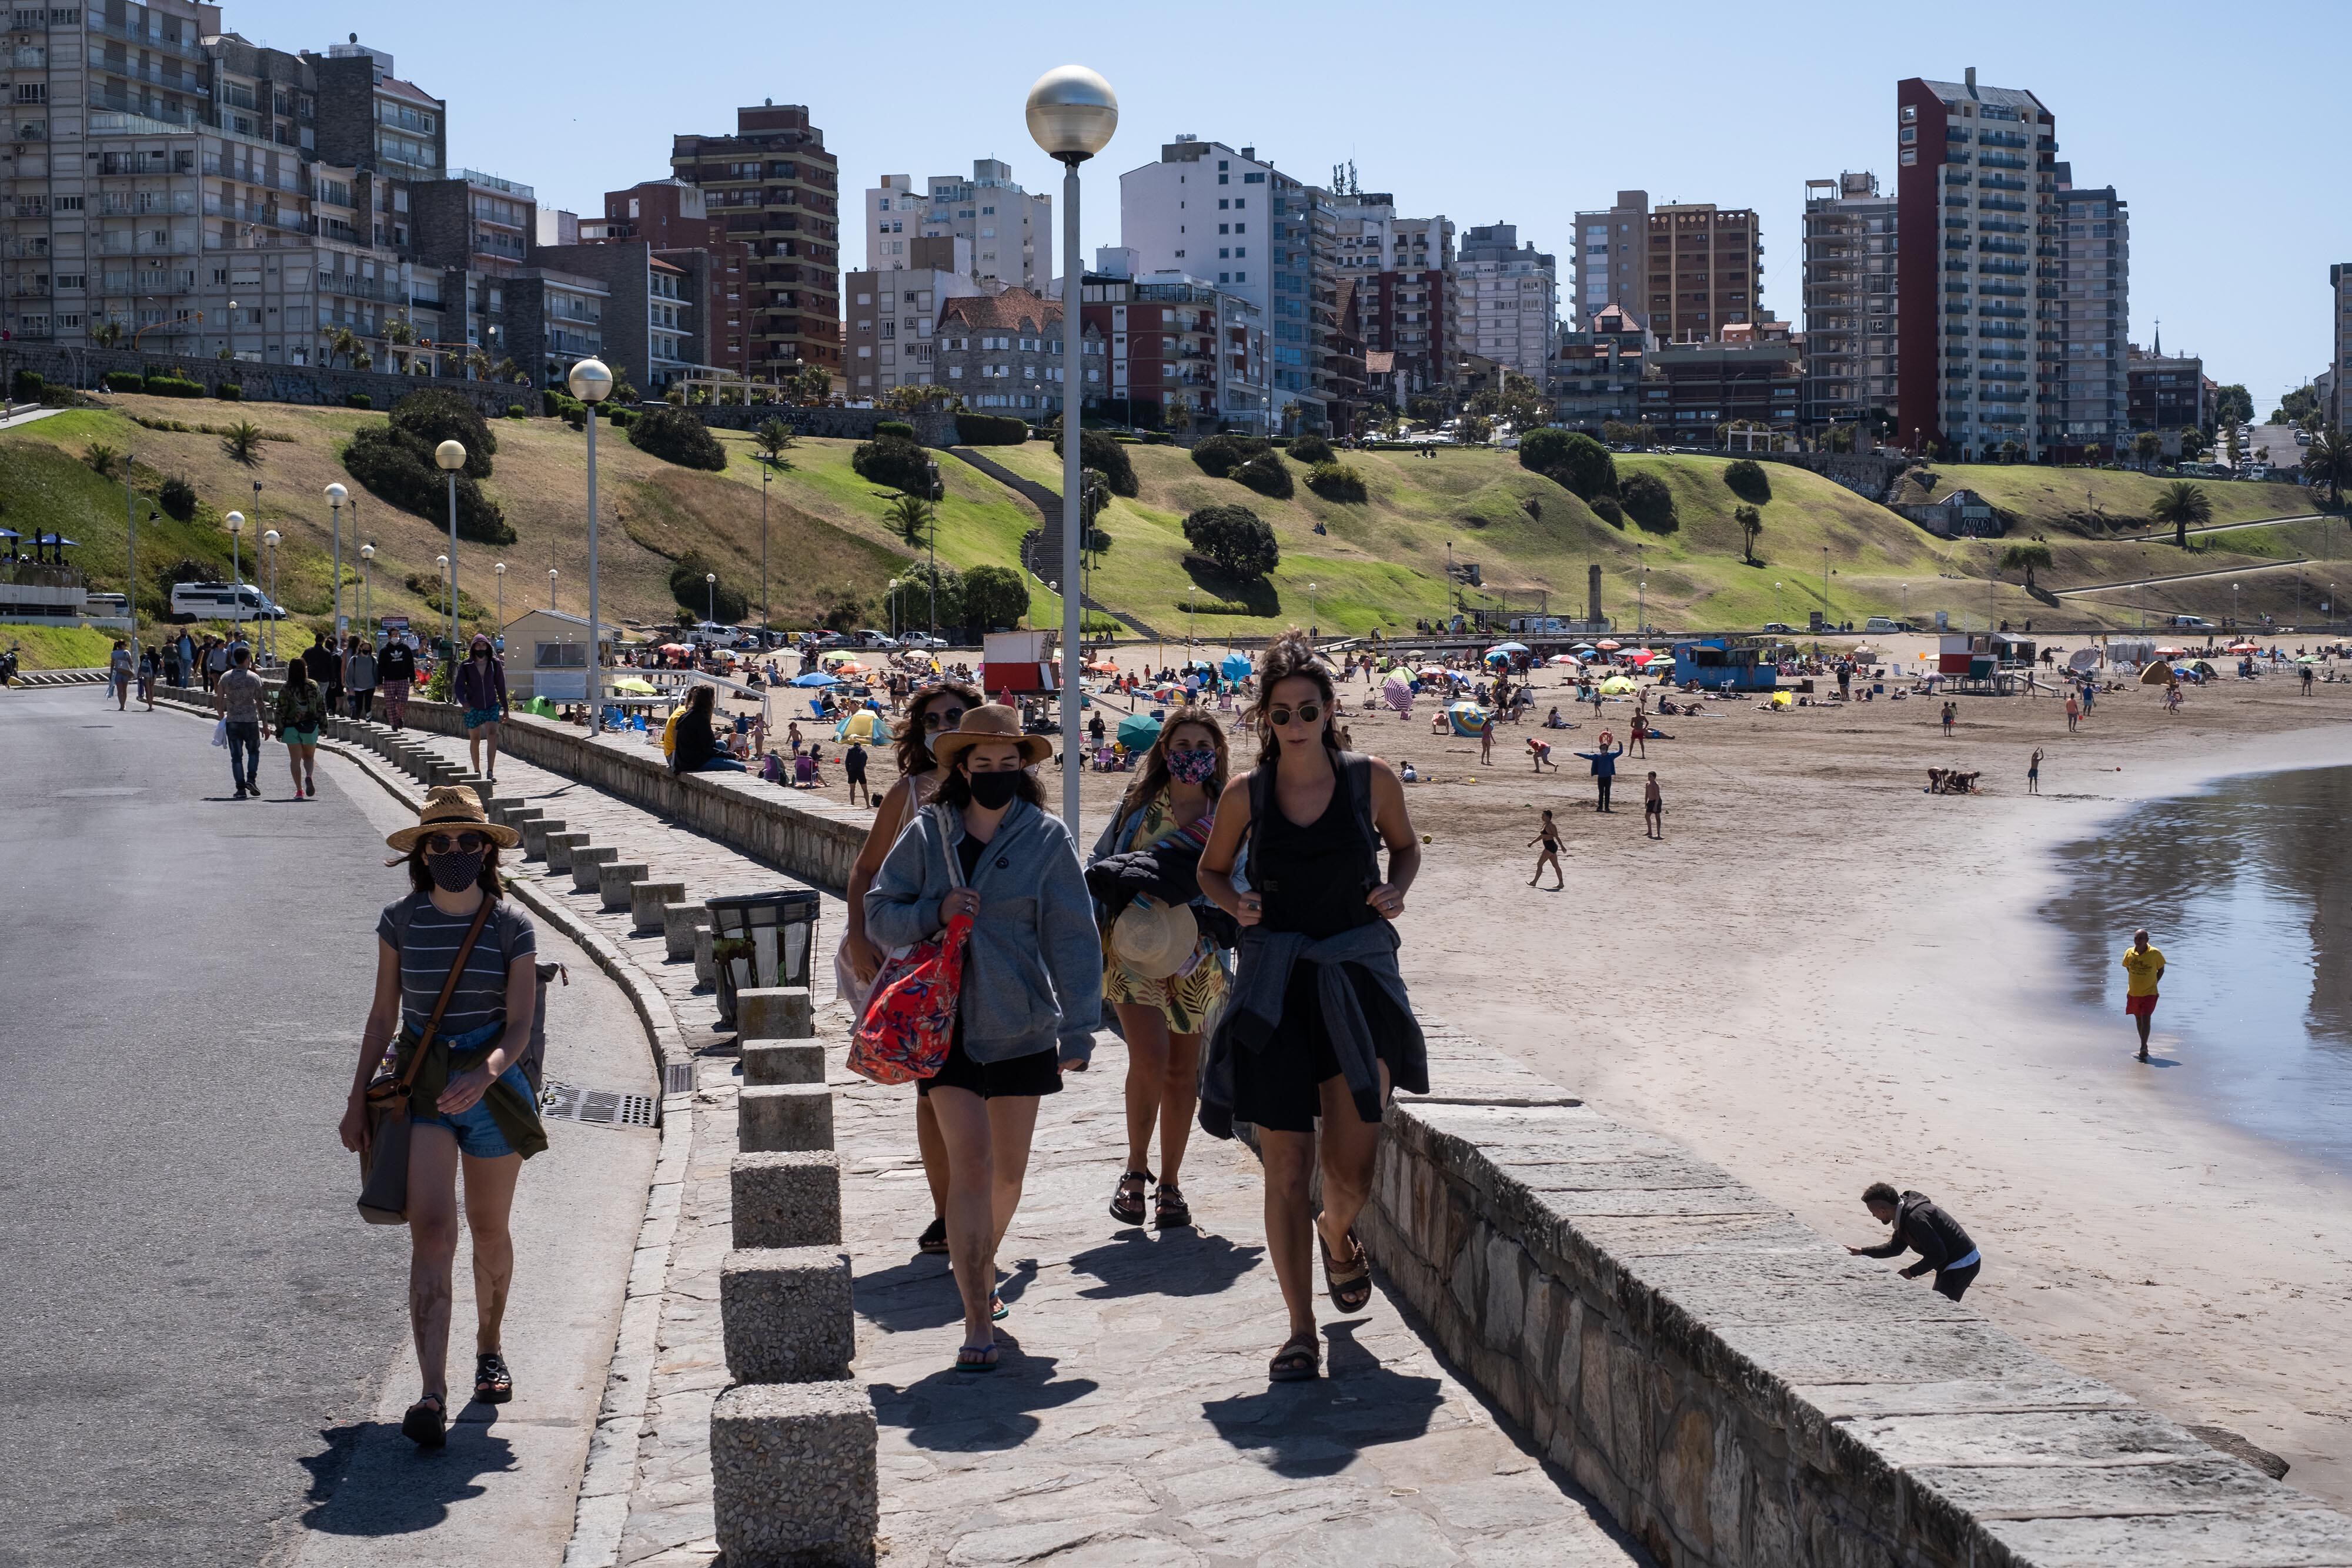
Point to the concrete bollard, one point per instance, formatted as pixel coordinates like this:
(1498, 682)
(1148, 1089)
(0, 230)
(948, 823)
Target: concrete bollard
(786, 1314)
(559, 847)
(505, 809)
(646, 902)
(774, 1012)
(614, 882)
(787, 1200)
(588, 863)
(705, 963)
(783, 1117)
(679, 923)
(783, 1062)
(535, 829)
(793, 1474)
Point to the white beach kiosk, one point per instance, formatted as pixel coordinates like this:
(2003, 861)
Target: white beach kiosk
(547, 655)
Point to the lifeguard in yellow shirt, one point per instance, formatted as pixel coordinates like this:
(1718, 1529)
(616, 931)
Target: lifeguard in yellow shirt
(2144, 967)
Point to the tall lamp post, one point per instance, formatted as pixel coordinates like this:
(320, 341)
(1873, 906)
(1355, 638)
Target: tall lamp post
(236, 521)
(451, 456)
(710, 596)
(449, 587)
(1072, 113)
(336, 496)
(269, 543)
(367, 593)
(499, 569)
(550, 588)
(766, 613)
(591, 384)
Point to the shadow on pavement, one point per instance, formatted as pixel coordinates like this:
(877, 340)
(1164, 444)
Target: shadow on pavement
(920, 1293)
(958, 1412)
(1177, 1263)
(368, 1480)
(1318, 1428)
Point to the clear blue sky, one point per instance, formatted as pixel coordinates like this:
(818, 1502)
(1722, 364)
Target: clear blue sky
(2224, 130)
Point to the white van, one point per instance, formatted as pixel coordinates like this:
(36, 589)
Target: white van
(222, 601)
(1881, 623)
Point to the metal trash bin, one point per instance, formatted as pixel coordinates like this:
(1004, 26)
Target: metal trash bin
(761, 939)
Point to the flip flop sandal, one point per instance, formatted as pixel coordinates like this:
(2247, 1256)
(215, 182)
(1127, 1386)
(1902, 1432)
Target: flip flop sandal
(1172, 1212)
(426, 1424)
(997, 1311)
(976, 1358)
(1350, 1287)
(493, 1384)
(934, 1237)
(1126, 1207)
(1300, 1360)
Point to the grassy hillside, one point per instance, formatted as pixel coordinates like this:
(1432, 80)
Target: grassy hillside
(2062, 498)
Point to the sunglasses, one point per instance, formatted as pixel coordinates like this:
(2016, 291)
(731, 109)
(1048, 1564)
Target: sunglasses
(1279, 717)
(942, 718)
(454, 843)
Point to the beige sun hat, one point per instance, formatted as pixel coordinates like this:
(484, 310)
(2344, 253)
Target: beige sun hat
(988, 722)
(1154, 940)
(451, 806)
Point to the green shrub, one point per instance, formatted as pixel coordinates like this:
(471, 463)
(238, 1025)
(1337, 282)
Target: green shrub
(898, 427)
(358, 400)
(228, 392)
(1336, 482)
(517, 411)
(1097, 449)
(177, 497)
(125, 381)
(427, 418)
(994, 596)
(26, 386)
(622, 418)
(551, 401)
(724, 603)
(173, 386)
(1746, 479)
(1577, 461)
(1606, 508)
(1233, 539)
(1649, 503)
(917, 605)
(1311, 450)
(1268, 476)
(894, 463)
(673, 436)
(990, 430)
(394, 461)
(1220, 454)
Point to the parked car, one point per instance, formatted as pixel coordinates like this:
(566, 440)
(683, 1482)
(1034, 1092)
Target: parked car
(919, 640)
(869, 638)
(1780, 626)
(2194, 623)
(1883, 623)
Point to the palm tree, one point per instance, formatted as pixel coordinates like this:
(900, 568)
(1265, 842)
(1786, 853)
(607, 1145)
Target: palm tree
(2148, 446)
(909, 516)
(107, 335)
(2025, 558)
(2329, 457)
(478, 364)
(242, 442)
(2182, 504)
(1751, 523)
(774, 439)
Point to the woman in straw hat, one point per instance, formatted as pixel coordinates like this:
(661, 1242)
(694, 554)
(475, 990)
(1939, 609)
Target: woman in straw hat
(469, 1106)
(1032, 993)
(1161, 972)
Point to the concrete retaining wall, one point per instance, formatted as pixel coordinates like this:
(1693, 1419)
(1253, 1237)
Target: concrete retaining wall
(932, 429)
(1741, 1394)
(263, 382)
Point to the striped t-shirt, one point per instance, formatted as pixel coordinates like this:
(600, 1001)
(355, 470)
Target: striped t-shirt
(432, 947)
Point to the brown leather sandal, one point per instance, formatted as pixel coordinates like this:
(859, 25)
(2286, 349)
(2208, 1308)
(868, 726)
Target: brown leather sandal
(1300, 1360)
(1350, 1286)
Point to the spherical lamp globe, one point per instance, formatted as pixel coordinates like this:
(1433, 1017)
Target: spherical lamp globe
(1072, 113)
(450, 455)
(590, 382)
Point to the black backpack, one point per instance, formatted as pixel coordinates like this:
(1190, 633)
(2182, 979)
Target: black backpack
(1355, 769)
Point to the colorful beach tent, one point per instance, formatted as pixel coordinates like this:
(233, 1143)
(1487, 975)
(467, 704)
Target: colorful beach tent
(861, 723)
(1234, 666)
(1616, 685)
(1467, 718)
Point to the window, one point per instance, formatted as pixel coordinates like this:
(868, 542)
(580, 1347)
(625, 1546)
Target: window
(884, 206)
(1253, 179)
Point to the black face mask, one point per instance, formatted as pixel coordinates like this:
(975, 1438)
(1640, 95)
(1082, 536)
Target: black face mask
(992, 791)
(457, 869)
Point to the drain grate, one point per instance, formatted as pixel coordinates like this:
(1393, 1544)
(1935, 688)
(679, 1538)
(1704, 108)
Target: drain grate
(597, 1107)
(677, 1078)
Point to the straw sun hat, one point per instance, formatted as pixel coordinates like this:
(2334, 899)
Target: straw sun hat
(1154, 940)
(984, 723)
(451, 806)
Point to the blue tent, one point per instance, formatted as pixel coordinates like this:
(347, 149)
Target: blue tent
(1236, 668)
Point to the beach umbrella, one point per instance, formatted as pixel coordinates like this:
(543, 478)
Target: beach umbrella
(814, 679)
(1234, 666)
(1565, 661)
(1616, 685)
(1398, 696)
(2083, 659)
(1583, 648)
(1467, 718)
(1102, 669)
(633, 685)
(1508, 648)
(1137, 731)
(1608, 645)
(1642, 657)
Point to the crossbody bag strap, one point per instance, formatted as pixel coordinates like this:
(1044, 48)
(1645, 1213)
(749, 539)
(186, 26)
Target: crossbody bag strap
(448, 989)
(938, 815)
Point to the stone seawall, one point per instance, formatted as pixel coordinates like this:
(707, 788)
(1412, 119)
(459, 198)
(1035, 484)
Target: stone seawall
(1740, 1392)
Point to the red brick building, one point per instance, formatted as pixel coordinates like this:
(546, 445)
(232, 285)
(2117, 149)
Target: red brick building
(772, 186)
(673, 217)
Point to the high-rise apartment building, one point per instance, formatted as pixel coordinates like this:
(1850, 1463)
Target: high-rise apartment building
(1706, 268)
(1011, 231)
(1613, 259)
(1976, 189)
(777, 190)
(674, 218)
(1261, 236)
(1402, 271)
(891, 314)
(2083, 319)
(1507, 300)
(1851, 292)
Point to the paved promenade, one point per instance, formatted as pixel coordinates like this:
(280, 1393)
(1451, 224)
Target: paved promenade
(1131, 1422)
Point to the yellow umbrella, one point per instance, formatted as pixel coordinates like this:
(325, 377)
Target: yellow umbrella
(634, 685)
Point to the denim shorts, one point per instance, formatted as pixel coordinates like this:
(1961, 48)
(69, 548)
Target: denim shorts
(476, 1129)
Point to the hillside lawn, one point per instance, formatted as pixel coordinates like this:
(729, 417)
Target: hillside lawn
(2052, 498)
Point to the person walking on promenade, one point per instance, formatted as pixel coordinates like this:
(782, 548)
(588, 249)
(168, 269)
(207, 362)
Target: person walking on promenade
(360, 675)
(302, 709)
(215, 658)
(470, 1106)
(2033, 772)
(1162, 970)
(1032, 993)
(396, 668)
(480, 689)
(1653, 808)
(236, 696)
(1548, 835)
(121, 666)
(1318, 1024)
(1604, 769)
(324, 659)
(2142, 969)
(932, 710)
(1920, 1227)
(150, 664)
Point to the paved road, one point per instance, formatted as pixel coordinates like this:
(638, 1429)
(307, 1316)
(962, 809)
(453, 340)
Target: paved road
(2184, 577)
(203, 1338)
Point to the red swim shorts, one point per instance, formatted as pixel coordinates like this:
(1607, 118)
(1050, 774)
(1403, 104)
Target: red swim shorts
(2140, 1007)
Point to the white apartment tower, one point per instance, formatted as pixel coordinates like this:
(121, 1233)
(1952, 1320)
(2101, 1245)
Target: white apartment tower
(1011, 231)
(1850, 303)
(1507, 300)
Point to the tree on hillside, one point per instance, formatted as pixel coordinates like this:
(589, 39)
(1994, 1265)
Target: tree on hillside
(774, 438)
(912, 517)
(1751, 523)
(241, 442)
(2193, 442)
(2027, 558)
(808, 384)
(1574, 461)
(2148, 446)
(1650, 503)
(2296, 407)
(2235, 405)
(2184, 506)
(994, 596)
(2329, 458)
(1235, 539)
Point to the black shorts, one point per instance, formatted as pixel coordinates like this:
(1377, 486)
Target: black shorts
(1039, 1073)
(1279, 1086)
(1955, 1282)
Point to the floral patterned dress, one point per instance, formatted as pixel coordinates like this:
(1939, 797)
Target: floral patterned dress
(1189, 998)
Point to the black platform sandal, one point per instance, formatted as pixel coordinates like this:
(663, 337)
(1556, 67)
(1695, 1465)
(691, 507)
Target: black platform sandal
(493, 1384)
(934, 1239)
(1126, 1207)
(426, 1424)
(1300, 1360)
(1171, 1212)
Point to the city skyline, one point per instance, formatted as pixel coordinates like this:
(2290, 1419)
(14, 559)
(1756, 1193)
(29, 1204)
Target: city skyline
(1572, 138)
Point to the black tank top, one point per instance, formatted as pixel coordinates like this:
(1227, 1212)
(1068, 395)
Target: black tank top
(1312, 878)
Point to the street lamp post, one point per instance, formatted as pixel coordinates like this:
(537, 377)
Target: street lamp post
(131, 552)
(550, 588)
(367, 593)
(449, 586)
(1825, 585)
(451, 456)
(1072, 113)
(591, 384)
(766, 613)
(236, 521)
(269, 543)
(894, 607)
(710, 596)
(499, 571)
(336, 496)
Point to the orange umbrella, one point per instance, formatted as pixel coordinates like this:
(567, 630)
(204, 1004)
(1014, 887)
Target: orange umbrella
(1607, 646)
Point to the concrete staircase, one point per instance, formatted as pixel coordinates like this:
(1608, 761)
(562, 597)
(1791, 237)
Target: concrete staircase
(1041, 551)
